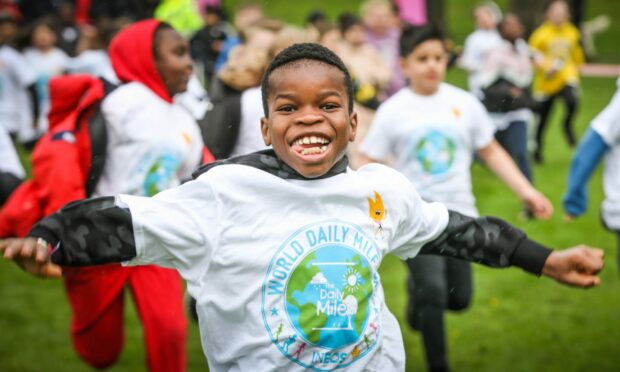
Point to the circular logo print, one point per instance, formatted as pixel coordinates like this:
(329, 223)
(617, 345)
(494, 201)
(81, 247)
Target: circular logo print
(319, 298)
(435, 152)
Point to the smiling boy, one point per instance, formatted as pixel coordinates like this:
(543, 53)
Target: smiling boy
(281, 248)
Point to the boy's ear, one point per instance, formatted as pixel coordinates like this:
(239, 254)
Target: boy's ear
(264, 128)
(353, 124)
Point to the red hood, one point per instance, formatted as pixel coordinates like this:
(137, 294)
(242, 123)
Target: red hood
(131, 53)
(72, 93)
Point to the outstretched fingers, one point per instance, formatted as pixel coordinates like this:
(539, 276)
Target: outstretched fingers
(11, 248)
(31, 255)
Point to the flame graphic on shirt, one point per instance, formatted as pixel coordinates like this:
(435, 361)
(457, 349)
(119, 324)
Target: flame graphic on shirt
(377, 211)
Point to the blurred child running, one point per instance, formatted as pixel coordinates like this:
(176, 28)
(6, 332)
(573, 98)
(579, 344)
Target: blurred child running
(19, 102)
(479, 43)
(47, 61)
(433, 130)
(602, 140)
(557, 57)
(505, 79)
(152, 145)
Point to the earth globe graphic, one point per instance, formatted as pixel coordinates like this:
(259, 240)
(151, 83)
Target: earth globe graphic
(160, 174)
(435, 152)
(328, 296)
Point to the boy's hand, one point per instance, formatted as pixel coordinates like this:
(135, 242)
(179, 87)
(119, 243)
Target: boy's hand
(538, 204)
(32, 255)
(575, 267)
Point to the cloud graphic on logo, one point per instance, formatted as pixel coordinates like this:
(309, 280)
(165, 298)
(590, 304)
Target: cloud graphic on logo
(318, 279)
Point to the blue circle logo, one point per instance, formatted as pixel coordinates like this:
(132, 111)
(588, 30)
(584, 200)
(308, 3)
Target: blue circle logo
(320, 299)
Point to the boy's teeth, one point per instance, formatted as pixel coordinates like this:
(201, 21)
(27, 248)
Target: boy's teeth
(310, 140)
(313, 150)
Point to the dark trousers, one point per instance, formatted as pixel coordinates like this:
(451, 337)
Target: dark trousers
(514, 140)
(436, 284)
(569, 95)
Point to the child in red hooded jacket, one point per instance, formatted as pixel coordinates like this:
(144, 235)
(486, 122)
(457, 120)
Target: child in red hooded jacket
(152, 145)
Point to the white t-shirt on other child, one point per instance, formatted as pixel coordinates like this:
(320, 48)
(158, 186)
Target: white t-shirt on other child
(9, 160)
(607, 125)
(152, 145)
(45, 66)
(434, 139)
(477, 45)
(15, 77)
(285, 271)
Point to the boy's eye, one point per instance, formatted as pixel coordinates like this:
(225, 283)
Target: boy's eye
(329, 106)
(286, 108)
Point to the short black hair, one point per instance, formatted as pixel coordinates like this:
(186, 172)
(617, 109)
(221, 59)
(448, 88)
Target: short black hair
(347, 20)
(305, 51)
(316, 15)
(413, 36)
(214, 9)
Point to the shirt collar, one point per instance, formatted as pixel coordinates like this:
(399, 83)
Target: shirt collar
(268, 161)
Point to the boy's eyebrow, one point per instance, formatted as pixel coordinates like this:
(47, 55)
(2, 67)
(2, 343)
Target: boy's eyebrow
(285, 96)
(328, 93)
(321, 95)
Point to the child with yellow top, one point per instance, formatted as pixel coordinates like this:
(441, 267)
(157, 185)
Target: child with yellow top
(557, 57)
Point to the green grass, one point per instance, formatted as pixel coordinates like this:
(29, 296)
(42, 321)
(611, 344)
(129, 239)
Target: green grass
(516, 322)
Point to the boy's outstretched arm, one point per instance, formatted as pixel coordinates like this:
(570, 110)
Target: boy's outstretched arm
(88, 232)
(496, 158)
(137, 230)
(494, 242)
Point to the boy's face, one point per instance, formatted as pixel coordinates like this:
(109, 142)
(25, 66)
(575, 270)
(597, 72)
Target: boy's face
(426, 66)
(309, 125)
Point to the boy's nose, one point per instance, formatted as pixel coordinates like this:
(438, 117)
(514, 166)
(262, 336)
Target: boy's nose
(308, 117)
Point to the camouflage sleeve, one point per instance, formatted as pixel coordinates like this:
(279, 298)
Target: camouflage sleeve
(489, 241)
(89, 232)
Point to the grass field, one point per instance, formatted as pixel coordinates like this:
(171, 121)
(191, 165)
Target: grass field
(516, 323)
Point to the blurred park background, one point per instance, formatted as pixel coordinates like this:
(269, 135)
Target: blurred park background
(517, 322)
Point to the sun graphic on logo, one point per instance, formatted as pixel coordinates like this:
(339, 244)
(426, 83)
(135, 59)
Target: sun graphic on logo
(351, 280)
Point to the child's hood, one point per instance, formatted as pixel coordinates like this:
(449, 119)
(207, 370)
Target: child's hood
(131, 54)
